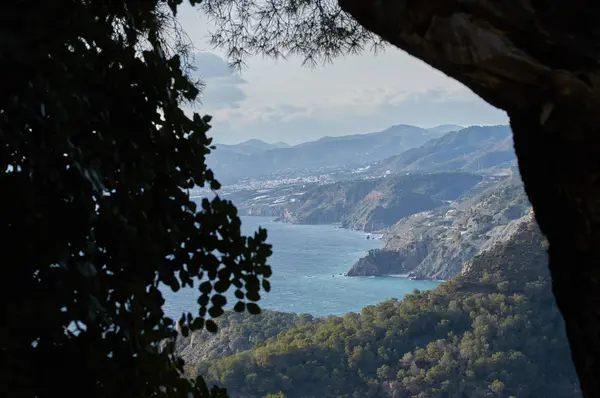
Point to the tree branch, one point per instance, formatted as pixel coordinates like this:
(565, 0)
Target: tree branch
(512, 54)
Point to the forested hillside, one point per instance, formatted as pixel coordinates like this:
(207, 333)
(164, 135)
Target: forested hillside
(493, 331)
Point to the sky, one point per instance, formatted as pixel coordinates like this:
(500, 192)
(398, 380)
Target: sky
(285, 101)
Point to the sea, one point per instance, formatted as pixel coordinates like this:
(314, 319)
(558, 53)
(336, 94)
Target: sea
(309, 262)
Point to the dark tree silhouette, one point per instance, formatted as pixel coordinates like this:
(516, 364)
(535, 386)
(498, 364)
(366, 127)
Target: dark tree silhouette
(96, 153)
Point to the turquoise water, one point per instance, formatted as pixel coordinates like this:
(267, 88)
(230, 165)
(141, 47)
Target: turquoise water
(307, 263)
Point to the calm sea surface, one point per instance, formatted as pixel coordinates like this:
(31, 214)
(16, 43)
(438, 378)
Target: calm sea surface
(307, 263)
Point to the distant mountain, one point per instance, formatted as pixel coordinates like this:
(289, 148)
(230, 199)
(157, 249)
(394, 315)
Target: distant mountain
(474, 148)
(251, 147)
(445, 128)
(245, 161)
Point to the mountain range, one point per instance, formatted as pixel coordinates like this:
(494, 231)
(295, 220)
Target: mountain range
(475, 149)
(398, 149)
(250, 160)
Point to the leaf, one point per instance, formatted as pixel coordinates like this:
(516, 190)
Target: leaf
(205, 287)
(185, 331)
(201, 385)
(175, 285)
(211, 326)
(252, 295)
(266, 285)
(215, 312)
(203, 300)
(253, 308)
(266, 271)
(222, 286)
(197, 324)
(239, 306)
(218, 300)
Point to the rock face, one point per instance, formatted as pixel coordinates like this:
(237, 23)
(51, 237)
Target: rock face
(386, 262)
(237, 332)
(434, 244)
(524, 228)
(374, 204)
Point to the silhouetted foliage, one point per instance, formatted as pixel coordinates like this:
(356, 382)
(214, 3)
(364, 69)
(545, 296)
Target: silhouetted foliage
(96, 153)
(316, 30)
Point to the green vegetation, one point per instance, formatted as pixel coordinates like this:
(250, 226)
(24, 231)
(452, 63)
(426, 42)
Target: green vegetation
(493, 331)
(262, 326)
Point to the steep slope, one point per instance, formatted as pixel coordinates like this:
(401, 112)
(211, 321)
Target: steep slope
(377, 203)
(237, 332)
(493, 331)
(474, 148)
(326, 152)
(434, 244)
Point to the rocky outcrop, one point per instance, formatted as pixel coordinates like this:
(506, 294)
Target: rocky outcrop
(385, 262)
(237, 332)
(514, 231)
(435, 244)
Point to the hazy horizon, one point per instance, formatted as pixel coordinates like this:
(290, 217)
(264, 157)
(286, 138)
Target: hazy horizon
(275, 141)
(284, 101)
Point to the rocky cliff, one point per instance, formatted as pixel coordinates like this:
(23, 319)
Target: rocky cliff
(374, 204)
(237, 332)
(515, 232)
(434, 244)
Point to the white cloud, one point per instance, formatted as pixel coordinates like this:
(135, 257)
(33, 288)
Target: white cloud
(221, 82)
(286, 101)
(366, 112)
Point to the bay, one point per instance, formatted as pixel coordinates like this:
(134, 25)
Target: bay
(308, 264)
